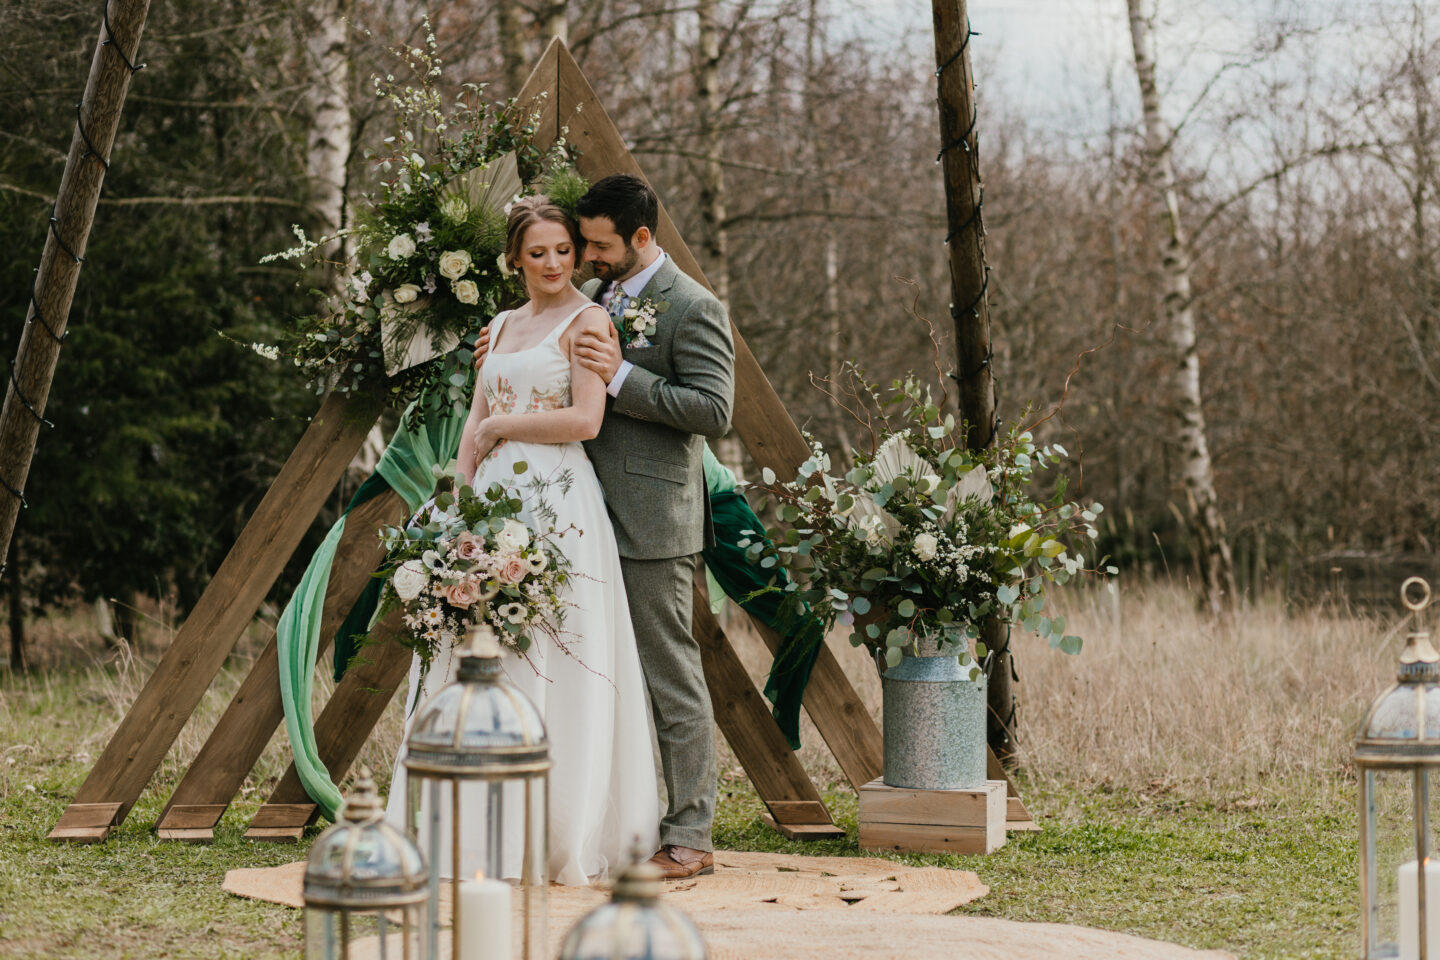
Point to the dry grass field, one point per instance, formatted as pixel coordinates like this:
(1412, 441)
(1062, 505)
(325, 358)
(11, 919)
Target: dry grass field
(1192, 782)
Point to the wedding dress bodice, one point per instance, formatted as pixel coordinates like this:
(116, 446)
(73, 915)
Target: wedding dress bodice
(531, 380)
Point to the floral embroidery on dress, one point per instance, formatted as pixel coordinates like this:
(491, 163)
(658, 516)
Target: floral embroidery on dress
(501, 397)
(557, 398)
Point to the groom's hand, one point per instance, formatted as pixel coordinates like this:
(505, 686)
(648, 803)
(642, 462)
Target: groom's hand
(600, 354)
(482, 347)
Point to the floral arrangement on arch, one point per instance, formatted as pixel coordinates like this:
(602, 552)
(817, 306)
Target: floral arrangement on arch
(922, 536)
(475, 561)
(425, 266)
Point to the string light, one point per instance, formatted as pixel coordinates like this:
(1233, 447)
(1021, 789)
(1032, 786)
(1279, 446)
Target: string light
(972, 310)
(54, 230)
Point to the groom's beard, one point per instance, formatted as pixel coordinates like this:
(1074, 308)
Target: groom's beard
(615, 271)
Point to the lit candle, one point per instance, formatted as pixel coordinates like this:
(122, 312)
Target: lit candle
(483, 917)
(1409, 910)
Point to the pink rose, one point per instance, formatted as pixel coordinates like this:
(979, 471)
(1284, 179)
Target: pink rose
(513, 570)
(468, 546)
(462, 594)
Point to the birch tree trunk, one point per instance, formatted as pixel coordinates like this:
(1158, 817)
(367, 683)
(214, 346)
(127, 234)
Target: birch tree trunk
(708, 106)
(1177, 317)
(511, 27)
(327, 144)
(833, 347)
(553, 22)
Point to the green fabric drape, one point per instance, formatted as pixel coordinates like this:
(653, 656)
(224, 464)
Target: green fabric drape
(800, 637)
(406, 469)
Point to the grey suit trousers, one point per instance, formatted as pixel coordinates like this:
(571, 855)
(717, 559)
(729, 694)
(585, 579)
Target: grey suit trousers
(660, 594)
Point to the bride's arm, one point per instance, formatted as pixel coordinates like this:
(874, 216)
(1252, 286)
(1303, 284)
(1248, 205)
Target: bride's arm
(579, 421)
(468, 457)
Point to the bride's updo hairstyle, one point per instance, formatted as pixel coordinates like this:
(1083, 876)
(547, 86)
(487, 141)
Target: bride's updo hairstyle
(524, 214)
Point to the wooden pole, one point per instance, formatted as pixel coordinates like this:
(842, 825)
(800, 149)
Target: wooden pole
(98, 117)
(969, 308)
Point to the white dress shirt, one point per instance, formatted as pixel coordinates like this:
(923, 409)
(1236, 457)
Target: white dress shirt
(632, 287)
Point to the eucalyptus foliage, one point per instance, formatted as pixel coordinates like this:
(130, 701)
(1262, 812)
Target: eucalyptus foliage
(923, 536)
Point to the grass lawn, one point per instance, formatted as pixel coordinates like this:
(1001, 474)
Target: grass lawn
(1255, 855)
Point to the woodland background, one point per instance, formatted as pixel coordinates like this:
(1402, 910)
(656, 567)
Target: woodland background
(794, 142)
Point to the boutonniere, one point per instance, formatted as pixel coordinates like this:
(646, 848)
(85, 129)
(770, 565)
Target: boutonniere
(637, 323)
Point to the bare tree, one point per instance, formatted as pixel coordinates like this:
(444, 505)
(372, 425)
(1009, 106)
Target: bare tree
(709, 104)
(1177, 315)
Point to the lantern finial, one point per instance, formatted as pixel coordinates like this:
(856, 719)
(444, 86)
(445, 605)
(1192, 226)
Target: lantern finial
(1419, 660)
(363, 803)
(481, 642)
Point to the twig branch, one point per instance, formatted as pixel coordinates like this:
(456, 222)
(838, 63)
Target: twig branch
(163, 201)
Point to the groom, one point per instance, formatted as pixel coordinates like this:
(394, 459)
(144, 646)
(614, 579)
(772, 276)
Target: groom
(672, 384)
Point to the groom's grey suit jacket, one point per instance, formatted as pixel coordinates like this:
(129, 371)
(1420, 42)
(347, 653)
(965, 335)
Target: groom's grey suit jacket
(681, 389)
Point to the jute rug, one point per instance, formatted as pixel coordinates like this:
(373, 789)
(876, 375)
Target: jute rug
(763, 906)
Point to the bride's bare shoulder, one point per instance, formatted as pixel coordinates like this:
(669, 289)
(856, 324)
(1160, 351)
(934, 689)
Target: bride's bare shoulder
(592, 319)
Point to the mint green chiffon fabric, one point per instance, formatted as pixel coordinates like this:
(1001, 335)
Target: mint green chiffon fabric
(406, 468)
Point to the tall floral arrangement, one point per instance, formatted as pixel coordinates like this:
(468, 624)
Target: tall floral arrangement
(923, 536)
(425, 265)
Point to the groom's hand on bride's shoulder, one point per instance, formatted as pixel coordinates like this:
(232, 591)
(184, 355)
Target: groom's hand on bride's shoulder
(482, 347)
(600, 353)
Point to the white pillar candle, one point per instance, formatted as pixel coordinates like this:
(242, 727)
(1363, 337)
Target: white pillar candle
(1410, 913)
(483, 917)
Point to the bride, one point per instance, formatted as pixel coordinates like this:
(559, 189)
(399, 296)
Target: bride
(535, 403)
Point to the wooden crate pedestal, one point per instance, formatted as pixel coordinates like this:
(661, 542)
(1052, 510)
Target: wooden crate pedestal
(932, 821)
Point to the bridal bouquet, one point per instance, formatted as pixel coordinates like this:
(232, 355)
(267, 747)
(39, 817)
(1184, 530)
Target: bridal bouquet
(420, 266)
(474, 561)
(921, 535)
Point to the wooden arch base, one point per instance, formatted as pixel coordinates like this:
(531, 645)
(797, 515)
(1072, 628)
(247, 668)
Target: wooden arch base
(208, 636)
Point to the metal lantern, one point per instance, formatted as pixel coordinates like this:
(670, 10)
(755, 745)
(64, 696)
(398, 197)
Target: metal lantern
(635, 925)
(477, 761)
(364, 877)
(1396, 752)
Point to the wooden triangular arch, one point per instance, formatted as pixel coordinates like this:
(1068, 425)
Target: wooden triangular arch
(208, 635)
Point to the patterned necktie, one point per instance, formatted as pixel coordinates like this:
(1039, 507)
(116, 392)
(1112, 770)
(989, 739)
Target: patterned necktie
(618, 300)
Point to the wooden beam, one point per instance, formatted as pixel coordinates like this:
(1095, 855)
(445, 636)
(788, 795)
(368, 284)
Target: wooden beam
(744, 718)
(86, 822)
(228, 605)
(1016, 816)
(229, 754)
(97, 118)
(835, 709)
(760, 418)
(341, 730)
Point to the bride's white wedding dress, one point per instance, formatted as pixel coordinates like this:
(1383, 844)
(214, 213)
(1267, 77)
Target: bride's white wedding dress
(604, 799)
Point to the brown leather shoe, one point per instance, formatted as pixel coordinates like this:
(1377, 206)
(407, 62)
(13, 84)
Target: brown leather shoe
(678, 863)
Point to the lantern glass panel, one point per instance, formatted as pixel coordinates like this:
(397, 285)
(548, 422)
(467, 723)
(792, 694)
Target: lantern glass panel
(395, 934)
(365, 880)
(1388, 818)
(476, 760)
(653, 931)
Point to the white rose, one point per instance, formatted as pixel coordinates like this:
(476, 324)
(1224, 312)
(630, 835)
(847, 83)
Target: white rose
(409, 579)
(402, 246)
(406, 293)
(926, 546)
(466, 291)
(454, 263)
(504, 266)
(929, 483)
(513, 537)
